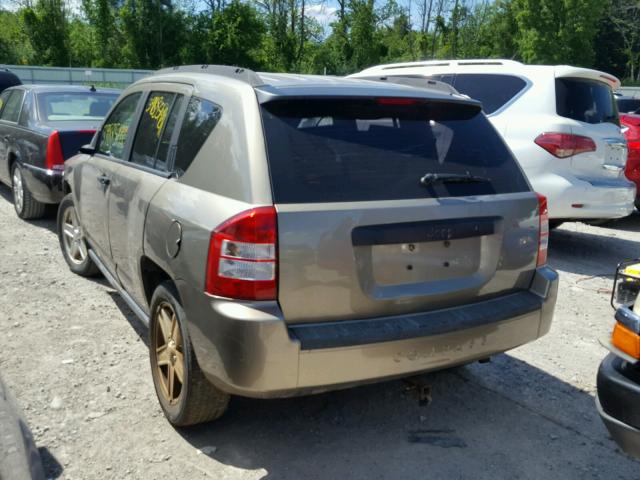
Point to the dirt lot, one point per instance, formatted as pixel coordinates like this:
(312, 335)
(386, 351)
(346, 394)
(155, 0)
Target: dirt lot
(75, 357)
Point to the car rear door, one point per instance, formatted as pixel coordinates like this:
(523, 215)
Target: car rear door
(591, 106)
(93, 177)
(137, 180)
(360, 235)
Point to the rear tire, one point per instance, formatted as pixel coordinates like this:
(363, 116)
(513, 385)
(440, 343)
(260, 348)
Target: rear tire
(184, 393)
(26, 206)
(72, 243)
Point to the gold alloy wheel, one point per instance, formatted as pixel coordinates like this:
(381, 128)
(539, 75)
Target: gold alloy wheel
(169, 353)
(73, 239)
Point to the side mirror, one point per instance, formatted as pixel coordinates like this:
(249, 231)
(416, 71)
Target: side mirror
(87, 150)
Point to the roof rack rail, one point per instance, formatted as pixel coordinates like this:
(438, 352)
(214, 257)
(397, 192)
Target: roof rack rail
(237, 73)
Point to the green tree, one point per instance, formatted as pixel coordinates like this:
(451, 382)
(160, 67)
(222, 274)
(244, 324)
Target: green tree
(47, 27)
(236, 35)
(557, 31)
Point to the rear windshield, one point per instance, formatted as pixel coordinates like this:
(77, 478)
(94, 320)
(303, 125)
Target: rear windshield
(76, 106)
(493, 90)
(587, 101)
(361, 150)
(628, 105)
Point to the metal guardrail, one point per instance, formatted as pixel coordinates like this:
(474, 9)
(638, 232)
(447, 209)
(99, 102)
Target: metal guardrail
(77, 76)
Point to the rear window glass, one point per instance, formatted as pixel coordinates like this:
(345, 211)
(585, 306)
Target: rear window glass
(494, 91)
(361, 150)
(199, 121)
(628, 105)
(75, 106)
(586, 101)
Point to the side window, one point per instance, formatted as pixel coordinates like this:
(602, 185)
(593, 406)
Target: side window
(116, 127)
(494, 91)
(3, 99)
(26, 110)
(199, 121)
(153, 137)
(11, 109)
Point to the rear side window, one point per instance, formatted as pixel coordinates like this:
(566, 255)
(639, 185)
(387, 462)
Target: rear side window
(586, 101)
(3, 100)
(151, 146)
(199, 121)
(11, 110)
(362, 150)
(494, 91)
(628, 105)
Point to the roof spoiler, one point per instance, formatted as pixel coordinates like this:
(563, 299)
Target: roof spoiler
(237, 73)
(416, 81)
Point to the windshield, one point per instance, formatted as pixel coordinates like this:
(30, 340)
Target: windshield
(587, 101)
(362, 150)
(75, 106)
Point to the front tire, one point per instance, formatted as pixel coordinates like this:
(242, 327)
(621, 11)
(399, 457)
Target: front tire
(72, 243)
(26, 206)
(184, 393)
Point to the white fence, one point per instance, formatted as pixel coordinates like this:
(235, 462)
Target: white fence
(77, 76)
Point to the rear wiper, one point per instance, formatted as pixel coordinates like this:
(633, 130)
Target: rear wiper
(431, 178)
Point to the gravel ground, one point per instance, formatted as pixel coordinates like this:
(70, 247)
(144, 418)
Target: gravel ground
(75, 357)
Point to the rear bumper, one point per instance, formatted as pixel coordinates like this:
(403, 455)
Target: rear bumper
(45, 185)
(578, 198)
(248, 349)
(618, 403)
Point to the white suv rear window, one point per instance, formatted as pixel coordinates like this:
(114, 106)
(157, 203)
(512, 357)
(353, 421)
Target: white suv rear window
(586, 101)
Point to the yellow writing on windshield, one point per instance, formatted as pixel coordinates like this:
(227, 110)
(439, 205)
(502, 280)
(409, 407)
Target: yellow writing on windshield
(158, 110)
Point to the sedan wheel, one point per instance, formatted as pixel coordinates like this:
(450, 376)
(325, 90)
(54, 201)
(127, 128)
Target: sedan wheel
(18, 190)
(26, 206)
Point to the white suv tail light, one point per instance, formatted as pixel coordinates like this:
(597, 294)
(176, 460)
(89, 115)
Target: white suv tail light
(563, 145)
(242, 259)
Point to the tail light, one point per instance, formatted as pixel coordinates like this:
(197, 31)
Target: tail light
(563, 145)
(242, 259)
(543, 240)
(54, 160)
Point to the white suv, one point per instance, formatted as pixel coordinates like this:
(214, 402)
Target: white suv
(561, 123)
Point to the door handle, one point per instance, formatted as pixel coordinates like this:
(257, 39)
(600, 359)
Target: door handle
(612, 168)
(104, 180)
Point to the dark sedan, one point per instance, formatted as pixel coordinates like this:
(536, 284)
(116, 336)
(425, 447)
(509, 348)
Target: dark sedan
(40, 127)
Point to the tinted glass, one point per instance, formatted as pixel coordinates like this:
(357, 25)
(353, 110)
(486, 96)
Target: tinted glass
(3, 100)
(200, 119)
(162, 157)
(586, 101)
(27, 110)
(75, 106)
(494, 91)
(11, 109)
(327, 151)
(158, 119)
(116, 128)
(628, 105)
